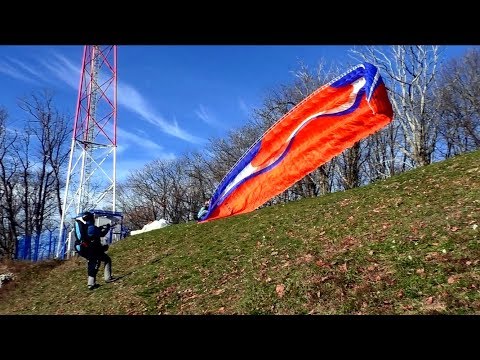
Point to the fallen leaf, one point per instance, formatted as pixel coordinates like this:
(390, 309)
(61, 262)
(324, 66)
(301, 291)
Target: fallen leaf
(451, 279)
(431, 256)
(221, 310)
(370, 252)
(274, 253)
(319, 263)
(309, 257)
(454, 228)
(429, 300)
(420, 271)
(343, 267)
(280, 289)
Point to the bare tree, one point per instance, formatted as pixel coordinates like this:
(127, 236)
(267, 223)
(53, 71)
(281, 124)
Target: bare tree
(137, 198)
(458, 101)
(200, 183)
(410, 72)
(135, 215)
(158, 190)
(178, 205)
(349, 167)
(40, 152)
(30, 171)
(50, 131)
(149, 187)
(9, 205)
(382, 153)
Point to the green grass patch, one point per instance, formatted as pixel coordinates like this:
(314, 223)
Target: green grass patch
(406, 245)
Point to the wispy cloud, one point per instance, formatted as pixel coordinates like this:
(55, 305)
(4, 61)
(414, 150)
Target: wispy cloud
(122, 147)
(14, 72)
(63, 69)
(128, 96)
(29, 69)
(127, 137)
(205, 115)
(131, 98)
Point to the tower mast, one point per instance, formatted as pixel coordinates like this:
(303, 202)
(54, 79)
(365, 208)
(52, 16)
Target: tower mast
(91, 174)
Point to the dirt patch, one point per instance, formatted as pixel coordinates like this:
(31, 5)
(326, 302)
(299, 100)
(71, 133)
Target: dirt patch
(23, 271)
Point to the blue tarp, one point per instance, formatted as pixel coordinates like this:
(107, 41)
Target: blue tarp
(37, 248)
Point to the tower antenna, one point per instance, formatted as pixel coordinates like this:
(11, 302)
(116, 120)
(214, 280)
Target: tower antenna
(91, 174)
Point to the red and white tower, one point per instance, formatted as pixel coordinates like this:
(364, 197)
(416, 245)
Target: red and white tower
(90, 182)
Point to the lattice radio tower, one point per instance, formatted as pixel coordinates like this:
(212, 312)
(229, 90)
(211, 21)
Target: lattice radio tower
(90, 182)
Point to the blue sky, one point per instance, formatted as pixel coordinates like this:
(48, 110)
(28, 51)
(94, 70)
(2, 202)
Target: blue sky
(171, 99)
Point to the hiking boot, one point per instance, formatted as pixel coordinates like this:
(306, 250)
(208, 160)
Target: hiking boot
(94, 286)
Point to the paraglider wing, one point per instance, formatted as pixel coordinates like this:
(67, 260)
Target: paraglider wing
(330, 120)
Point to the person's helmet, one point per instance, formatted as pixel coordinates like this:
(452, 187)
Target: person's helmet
(87, 216)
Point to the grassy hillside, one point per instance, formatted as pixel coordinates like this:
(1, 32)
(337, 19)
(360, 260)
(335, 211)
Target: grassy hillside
(407, 245)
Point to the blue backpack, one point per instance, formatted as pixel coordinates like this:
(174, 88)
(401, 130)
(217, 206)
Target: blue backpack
(81, 237)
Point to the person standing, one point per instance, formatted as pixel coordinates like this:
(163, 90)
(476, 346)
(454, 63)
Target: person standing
(95, 252)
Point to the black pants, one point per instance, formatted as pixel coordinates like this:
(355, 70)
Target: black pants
(94, 262)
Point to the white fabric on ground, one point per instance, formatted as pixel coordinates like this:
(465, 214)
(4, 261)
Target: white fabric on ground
(157, 224)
